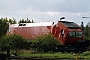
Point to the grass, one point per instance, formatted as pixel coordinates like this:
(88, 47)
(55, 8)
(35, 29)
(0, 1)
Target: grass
(33, 53)
(85, 55)
(48, 55)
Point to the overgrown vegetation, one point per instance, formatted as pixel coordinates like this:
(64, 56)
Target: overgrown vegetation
(25, 21)
(4, 24)
(44, 43)
(14, 42)
(87, 33)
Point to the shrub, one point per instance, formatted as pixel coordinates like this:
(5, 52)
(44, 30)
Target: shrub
(14, 42)
(45, 43)
(86, 53)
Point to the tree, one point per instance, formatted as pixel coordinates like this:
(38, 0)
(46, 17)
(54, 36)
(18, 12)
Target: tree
(45, 43)
(88, 24)
(14, 42)
(87, 33)
(32, 21)
(14, 20)
(25, 21)
(3, 26)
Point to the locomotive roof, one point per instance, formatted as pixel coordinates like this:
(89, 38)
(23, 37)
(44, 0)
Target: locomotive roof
(32, 24)
(69, 24)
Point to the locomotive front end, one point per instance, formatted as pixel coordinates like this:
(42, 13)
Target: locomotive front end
(67, 33)
(74, 35)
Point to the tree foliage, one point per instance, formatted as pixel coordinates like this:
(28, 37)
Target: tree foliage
(87, 33)
(4, 24)
(45, 43)
(25, 21)
(13, 41)
(88, 24)
(12, 21)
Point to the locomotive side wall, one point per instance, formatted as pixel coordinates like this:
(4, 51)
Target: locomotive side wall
(30, 32)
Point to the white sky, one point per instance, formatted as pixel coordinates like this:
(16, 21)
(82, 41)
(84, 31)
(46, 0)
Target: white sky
(46, 10)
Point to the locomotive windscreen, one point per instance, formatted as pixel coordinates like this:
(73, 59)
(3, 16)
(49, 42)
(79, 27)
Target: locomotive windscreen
(69, 24)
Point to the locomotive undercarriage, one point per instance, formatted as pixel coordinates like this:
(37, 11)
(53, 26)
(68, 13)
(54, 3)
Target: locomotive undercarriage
(80, 47)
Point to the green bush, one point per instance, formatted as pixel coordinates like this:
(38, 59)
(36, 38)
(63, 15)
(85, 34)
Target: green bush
(44, 43)
(13, 41)
(86, 38)
(86, 53)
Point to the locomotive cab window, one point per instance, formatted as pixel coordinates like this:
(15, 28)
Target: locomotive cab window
(78, 34)
(73, 34)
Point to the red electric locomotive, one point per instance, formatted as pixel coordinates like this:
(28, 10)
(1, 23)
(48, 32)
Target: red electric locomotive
(65, 32)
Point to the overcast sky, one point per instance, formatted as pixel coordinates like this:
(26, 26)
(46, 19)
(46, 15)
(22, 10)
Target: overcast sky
(46, 10)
